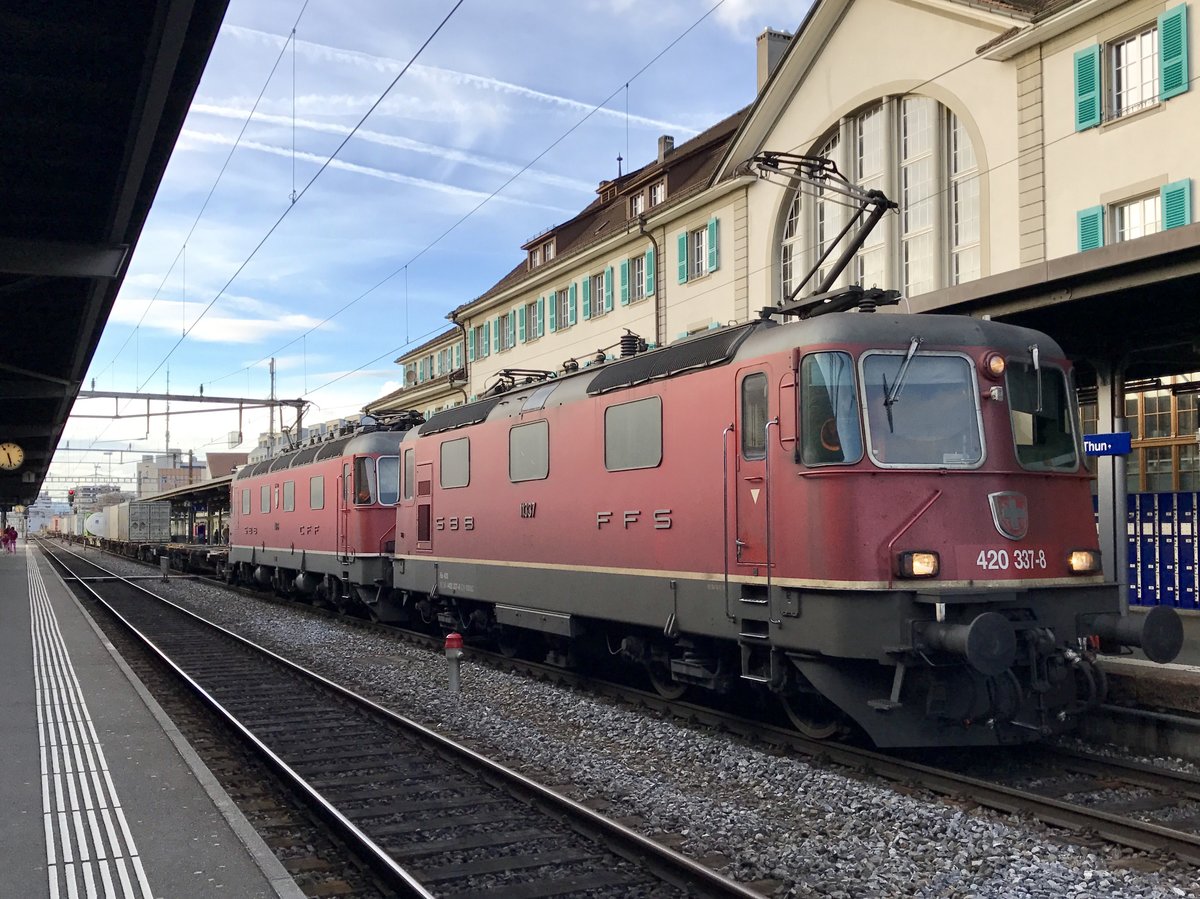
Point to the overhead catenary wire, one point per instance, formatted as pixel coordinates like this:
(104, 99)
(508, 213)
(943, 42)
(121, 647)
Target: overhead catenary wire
(338, 149)
(453, 227)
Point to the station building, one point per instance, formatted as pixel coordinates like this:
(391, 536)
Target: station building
(1042, 156)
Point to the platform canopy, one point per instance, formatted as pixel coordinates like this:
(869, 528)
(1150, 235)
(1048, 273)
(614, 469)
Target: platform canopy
(92, 100)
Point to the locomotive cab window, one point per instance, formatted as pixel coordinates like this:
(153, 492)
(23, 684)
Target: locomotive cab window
(364, 481)
(829, 425)
(316, 492)
(633, 435)
(923, 412)
(529, 452)
(1045, 436)
(754, 416)
(389, 479)
(456, 463)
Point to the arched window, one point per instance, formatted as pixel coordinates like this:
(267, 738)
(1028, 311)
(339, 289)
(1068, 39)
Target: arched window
(919, 154)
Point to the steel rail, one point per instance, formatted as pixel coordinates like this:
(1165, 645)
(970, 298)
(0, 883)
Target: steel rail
(623, 840)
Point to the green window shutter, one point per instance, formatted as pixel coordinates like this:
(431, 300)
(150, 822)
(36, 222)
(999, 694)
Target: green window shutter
(608, 289)
(470, 344)
(1087, 88)
(1091, 228)
(541, 316)
(487, 338)
(650, 273)
(1172, 52)
(1176, 203)
(571, 304)
(521, 323)
(714, 257)
(624, 282)
(587, 298)
(553, 312)
(683, 266)
(456, 355)
(496, 334)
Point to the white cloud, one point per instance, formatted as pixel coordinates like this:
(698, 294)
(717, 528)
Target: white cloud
(190, 139)
(401, 143)
(747, 18)
(433, 76)
(172, 317)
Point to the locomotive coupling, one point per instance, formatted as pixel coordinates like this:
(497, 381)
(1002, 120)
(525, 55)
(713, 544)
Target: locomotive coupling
(1159, 632)
(989, 643)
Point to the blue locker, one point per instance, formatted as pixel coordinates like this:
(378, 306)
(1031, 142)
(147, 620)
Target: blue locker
(1167, 549)
(1185, 528)
(1148, 549)
(1134, 554)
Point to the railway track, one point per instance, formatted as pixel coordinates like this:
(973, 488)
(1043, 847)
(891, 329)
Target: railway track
(432, 817)
(1122, 802)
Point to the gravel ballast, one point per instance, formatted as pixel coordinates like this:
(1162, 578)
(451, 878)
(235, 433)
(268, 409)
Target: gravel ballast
(777, 818)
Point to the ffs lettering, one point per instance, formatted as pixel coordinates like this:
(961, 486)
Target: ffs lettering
(633, 517)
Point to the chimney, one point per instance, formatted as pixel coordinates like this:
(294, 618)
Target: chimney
(771, 46)
(666, 146)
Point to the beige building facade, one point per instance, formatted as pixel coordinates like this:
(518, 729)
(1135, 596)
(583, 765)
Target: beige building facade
(1010, 135)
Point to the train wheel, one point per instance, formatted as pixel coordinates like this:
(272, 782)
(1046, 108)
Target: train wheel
(811, 715)
(664, 684)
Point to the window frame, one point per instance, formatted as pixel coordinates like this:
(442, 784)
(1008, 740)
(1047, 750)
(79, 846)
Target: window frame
(697, 242)
(408, 474)
(632, 425)
(530, 427)
(637, 277)
(289, 496)
(316, 487)
(442, 463)
(596, 287)
(1113, 108)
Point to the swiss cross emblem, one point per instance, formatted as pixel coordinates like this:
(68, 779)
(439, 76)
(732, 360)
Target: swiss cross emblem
(1010, 512)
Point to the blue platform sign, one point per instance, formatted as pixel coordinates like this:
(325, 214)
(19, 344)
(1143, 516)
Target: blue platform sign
(1117, 444)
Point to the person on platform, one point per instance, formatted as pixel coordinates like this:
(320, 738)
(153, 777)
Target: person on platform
(10, 539)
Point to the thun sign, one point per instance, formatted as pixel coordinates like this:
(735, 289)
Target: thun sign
(1107, 444)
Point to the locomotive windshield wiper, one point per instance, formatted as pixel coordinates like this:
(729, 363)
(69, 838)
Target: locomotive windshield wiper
(1037, 373)
(894, 394)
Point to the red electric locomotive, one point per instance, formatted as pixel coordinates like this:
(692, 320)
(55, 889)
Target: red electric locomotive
(880, 518)
(319, 521)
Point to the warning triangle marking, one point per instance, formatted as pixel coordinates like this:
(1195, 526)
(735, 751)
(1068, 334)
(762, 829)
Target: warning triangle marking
(754, 494)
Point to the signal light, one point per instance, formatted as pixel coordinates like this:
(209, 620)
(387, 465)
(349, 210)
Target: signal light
(71, 497)
(1083, 561)
(917, 564)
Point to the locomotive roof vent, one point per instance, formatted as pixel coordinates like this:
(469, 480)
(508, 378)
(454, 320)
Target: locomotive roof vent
(712, 348)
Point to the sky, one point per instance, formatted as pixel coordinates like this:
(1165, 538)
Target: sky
(500, 127)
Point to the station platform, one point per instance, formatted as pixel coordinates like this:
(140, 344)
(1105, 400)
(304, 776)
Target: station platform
(102, 796)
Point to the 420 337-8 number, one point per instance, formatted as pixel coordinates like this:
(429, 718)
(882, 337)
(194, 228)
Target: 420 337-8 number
(1018, 559)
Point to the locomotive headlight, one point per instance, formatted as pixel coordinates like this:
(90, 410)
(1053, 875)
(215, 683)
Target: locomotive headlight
(1084, 561)
(917, 564)
(993, 365)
